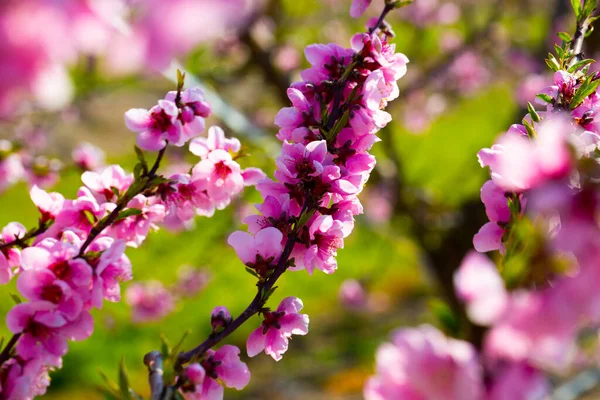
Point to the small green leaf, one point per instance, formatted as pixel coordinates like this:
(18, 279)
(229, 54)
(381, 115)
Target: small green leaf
(529, 128)
(123, 381)
(304, 219)
(576, 4)
(400, 4)
(128, 212)
(552, 62)
(535, 117)
(252, 272)
(587, 88)
(564, 36)
(268, 293)
(545, 97)
(165, 346)
(337, 127)
(111, 386)
(446, 317)
(180, 80)
(580, 64)
(588, 7)
(15, 298)
(90, 217)
(177, 346)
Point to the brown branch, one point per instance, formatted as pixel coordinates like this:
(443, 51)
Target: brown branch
(9, 346)
(154, 362)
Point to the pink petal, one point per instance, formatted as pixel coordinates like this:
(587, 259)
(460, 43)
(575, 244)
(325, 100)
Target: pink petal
(256, 342)
(252, 176)
(268, 242)
(275, 344)
(243, 244)
(137, 119)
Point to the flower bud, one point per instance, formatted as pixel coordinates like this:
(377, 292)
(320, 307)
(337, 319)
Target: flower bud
(220, 318)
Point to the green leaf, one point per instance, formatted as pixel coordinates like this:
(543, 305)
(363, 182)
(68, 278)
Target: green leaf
(123, 381)
(128, 213)
(339, 124)
(400, 4)
(111, 386)
(580, 64)
(252, 272)
(15, 298)
(545, 97)
(304, 219)
(140, 155)
(530, 131)
(535, 117)
(90, 217)
(177, 346)
(587, 88)
(446, 317)
(180, 80)
(576, 4)
(165, 346)
(268, 293)
(552, 62)
(588, 7)
(564, 36)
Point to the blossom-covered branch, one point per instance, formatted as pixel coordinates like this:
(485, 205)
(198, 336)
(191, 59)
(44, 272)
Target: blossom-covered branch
(308, 210)
(542, 203)
(76, 258)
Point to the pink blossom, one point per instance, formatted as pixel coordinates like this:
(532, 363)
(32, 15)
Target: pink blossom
(150, 301)
(43, 285)
(193, 109)
(11, 170)
(490, 235)
(259, 252)
(135, 228)
(480, 286)
(111, 267)
(224, 365)
(48, 204)
(58, 257)
(519, 382)
(359, 7)
(352, 294)
(326, 236)
(191, 281)
(26, 379)
(276, 329)
(222, 174)
(216, 140)
(107, 183)
(155, 126)
(88, 157)
(421, 363)
(43, 331)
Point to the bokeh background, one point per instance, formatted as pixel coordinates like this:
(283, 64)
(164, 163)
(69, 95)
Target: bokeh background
(472, 66)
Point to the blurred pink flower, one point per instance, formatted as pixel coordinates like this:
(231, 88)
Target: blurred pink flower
(150, 301)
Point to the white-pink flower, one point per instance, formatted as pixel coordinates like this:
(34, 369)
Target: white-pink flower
(481, 287)
(277, 328)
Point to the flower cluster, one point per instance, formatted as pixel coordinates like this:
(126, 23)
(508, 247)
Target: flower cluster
(542, 202)
(75, 259)
(308, 209)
